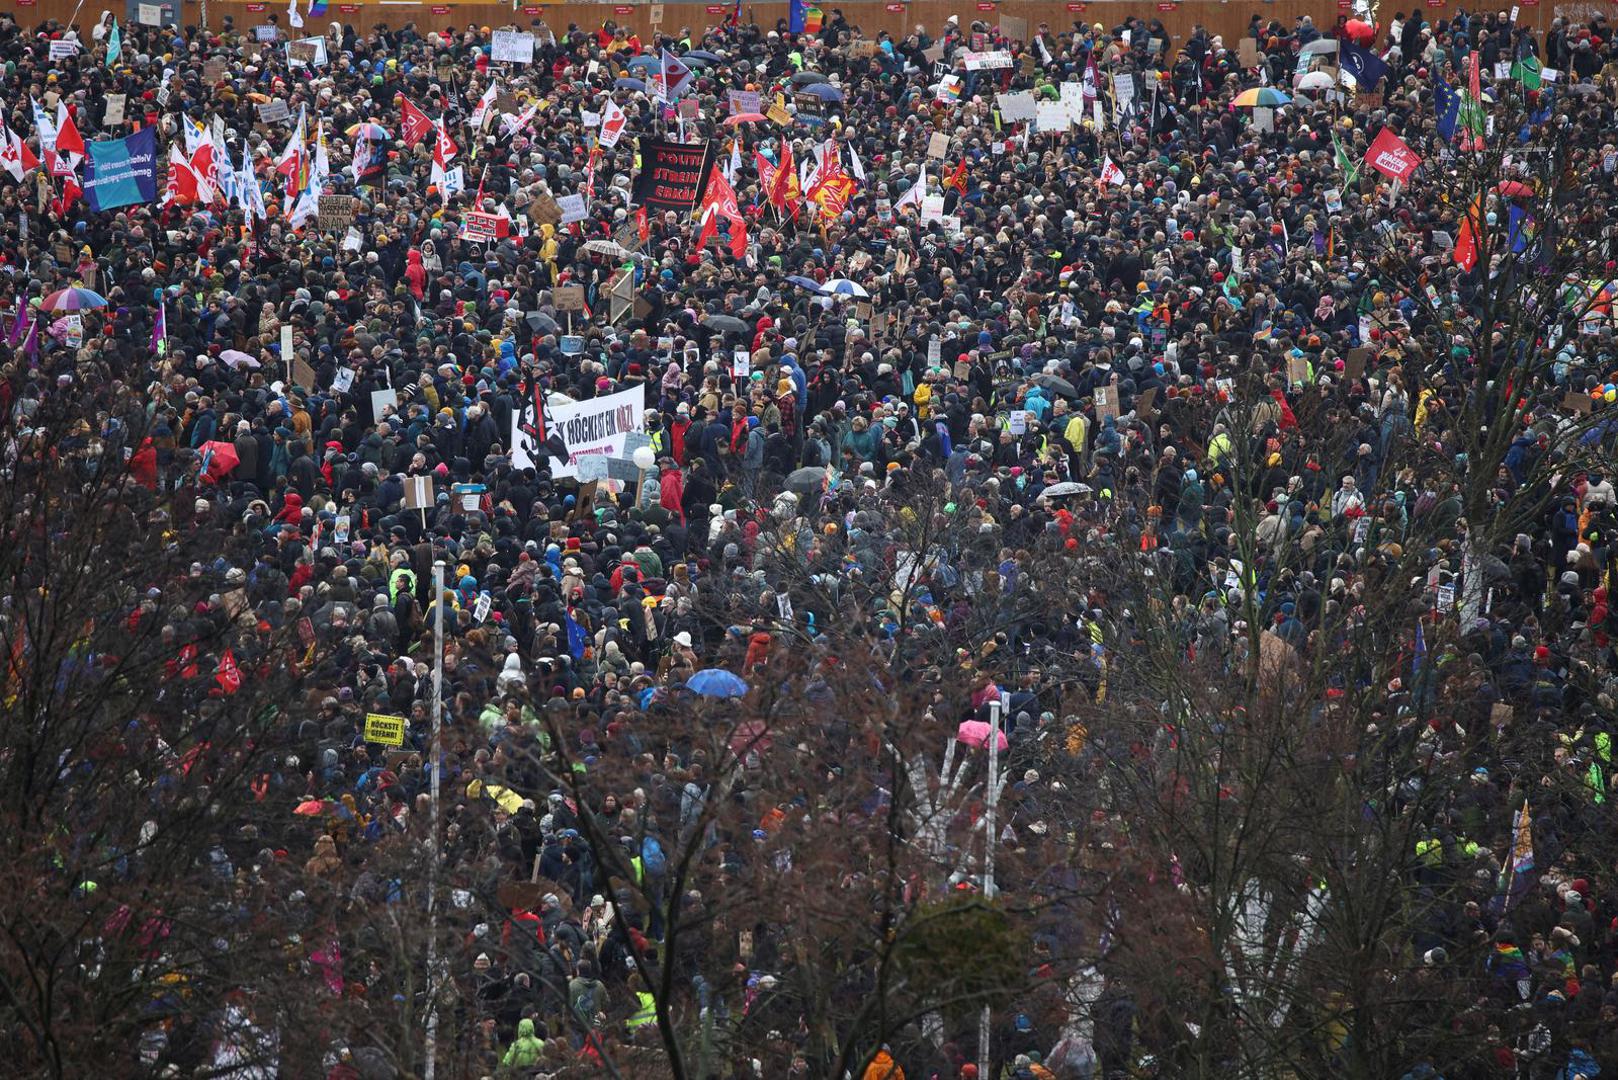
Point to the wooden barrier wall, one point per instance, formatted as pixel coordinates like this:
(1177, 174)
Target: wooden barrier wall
(1224, 18)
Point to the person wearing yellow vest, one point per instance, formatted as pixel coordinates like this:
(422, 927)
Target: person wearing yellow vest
(645, 1006)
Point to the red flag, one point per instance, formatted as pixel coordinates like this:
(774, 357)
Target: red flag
(720, 202)
(786, 193)
(644, 225)
(228, 676)
(1468, 236)
(957, 179)
(57, 164)
(71, 191)
(414, 124)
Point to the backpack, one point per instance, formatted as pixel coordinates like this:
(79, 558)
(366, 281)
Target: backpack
(652, 859)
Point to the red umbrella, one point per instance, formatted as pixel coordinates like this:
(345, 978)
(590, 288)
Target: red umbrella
(1514, 189)
(218, 459)
(743, 118)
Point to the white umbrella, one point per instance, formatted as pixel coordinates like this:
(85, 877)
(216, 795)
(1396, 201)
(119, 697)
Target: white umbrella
(1315, 80)
(235, 358)
(1067, 487)
(610, 248)
(843, 287)
(1318, 47)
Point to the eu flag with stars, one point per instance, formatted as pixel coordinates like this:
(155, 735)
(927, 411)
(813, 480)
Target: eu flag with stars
(1447, 104)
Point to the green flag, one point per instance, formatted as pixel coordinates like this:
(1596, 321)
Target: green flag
(1350, 167)
(1527, 71)
(115, 43)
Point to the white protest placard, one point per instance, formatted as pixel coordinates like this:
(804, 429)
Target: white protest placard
(741, 363)
(266, 33)
(598, 427)
(1502, 70)
(1334, 201)
(589, 119)
(1100, 115)
(513, 47)
(932, 208)
(573, 208)
(937, 144)
(1017, 107)
(63, 50)
(1263, 119)
(286, 343)
(1051, 117)
(344, 379)
(270, 112)
(352, 239)
(115, 109)
(382, 400)
(745, 101)
(149, 14)
(935, 351)
(480, 610)
(307, 51)
(986, 61)
(1123, 88)
(1073, 101)
(1017, 421)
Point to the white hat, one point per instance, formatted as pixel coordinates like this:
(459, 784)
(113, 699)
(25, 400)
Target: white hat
(683, 639)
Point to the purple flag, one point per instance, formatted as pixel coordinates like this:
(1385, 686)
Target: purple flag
(18, 322)
(160, 328)
(30, 345)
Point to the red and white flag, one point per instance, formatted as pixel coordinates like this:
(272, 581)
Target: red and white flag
(414, 125)
(1111, 173)
(12, 151)
(613, 122)
(228, 676)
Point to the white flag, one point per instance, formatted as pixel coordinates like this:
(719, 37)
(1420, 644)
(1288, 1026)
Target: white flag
(293, 18)
(613, 122)
(855, 166)
(1110, 173)
(47, 130)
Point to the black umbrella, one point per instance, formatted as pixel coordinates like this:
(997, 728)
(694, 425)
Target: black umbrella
(810, 480)
(1056, 384)
(726, 324)
(804, 78)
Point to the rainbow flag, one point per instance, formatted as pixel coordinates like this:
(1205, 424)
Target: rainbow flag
(317, 8)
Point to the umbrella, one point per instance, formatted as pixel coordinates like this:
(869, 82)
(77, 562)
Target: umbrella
(824, 91)
(1066, 488)
(1314, 80)
(629, 84)
(716, 682)
(1584, 89)
(806, 78)
(218, 458)
(235, 358)
(610, 248)
(1318, 47)
(743, 118)
(73, 300)
(809, 480)
(843, 287)
(975, 733)
(374, 132)
(749, 737)
(1057, 385)
(542, 323)
(1514, 189)
(727, 324)
(804, 282)
(644, 61)
(1264, 97)
(704, 55)
(310, 808)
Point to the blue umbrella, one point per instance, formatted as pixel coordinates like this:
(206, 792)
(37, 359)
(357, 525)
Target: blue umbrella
(716, 682)
(843, 287)
(644, 61)
(704, 54)
(629, 84)
(804, 283)
(824, 91)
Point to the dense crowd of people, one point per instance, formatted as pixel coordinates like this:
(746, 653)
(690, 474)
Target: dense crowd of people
(1163, 327)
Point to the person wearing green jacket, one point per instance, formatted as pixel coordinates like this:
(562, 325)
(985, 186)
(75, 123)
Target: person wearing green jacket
(526, 1051)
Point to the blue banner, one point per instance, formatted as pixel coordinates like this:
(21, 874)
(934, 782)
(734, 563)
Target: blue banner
(122, 172)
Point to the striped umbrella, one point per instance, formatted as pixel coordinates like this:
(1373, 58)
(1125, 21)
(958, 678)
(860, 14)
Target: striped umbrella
(73, 300)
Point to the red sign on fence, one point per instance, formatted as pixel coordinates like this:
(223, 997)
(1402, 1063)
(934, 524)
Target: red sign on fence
(440, 9)
(716, 9)
(1077, 9)
(349, 9)
(985, 5)
(897, 9)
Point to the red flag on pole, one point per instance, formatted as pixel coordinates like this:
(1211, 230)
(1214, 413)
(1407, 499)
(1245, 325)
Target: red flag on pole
(414, 124)
(228, 676)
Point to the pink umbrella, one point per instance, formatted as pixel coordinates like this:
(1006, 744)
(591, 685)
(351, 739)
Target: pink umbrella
(743, 118)
(975, 733)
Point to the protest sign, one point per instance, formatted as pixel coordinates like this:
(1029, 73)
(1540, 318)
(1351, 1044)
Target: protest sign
(64, 50)
(271, 112)
(937, 144)
(986, 61)
(149, 14)
(513, 47)
(480, 228)
(573, 208)
(115, 109)
(1017, 107)
(746, 101)
(1052, 116)
(336, 212)
(384, 729)
(568, 297)
(594, 428)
